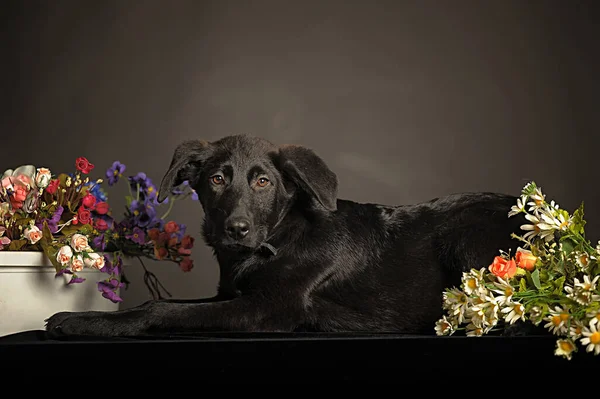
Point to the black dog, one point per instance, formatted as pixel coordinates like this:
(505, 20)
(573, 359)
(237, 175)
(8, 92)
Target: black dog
(294, 257)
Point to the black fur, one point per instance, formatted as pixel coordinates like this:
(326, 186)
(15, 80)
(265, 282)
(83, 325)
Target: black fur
(308, 260)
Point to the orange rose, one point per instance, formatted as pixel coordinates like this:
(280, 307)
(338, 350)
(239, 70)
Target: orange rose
(525, 259)
(503, 268)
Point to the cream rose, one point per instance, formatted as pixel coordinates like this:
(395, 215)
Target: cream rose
(77, 263)
(33, 234)
(43, 177)
(94, 260)
(79, 242)
(65, 253)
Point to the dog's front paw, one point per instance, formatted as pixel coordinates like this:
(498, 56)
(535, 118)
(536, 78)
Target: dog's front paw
(80, 323)
(54, 323)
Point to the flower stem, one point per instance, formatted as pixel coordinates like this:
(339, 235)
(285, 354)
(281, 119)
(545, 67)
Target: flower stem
(171, 202)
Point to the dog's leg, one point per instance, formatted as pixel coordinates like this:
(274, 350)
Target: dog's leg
(160, 317)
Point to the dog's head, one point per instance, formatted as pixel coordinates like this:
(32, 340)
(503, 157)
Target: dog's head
(246, 185)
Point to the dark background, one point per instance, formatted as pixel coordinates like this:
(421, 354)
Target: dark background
(405, 100)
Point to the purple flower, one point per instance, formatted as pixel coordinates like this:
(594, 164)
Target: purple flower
(99, 243)
(115, 172)
(76, 280)
(138, 236)
(108, 289)
(186, 184)
(143, 213)
(147, 190)
(63, 271)
(111, 266)
(53, 221)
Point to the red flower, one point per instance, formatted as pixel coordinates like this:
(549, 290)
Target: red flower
(153, 234)
(160, 252)
(184, 251)
(187, 242)
(101, 224)
(102, 208)
(171, 227)
(53, 186)
(83, 215)
(83, 165)
(89, 201)
(186, 264)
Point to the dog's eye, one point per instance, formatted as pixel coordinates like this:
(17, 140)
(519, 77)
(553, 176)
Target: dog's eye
(217, 179)
(262, 182)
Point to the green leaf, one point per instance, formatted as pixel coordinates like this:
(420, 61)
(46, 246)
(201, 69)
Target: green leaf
(568, 245)
(578, 222)
(128, 200)
(523, 285)
(70, 229)
(558, 285)
(16, 245)
(47, 242)
(535, 276)
(85, 229)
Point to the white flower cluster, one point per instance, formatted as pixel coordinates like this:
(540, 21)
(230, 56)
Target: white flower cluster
(479, 304)
(78, 254)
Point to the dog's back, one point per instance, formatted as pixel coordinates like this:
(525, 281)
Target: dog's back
(378, 268)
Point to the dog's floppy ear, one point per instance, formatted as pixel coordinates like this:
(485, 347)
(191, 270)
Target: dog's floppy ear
(310, 173)
(188, 158)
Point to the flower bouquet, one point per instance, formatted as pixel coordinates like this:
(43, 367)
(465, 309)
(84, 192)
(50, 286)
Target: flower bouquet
(68, 217)
(550, 281)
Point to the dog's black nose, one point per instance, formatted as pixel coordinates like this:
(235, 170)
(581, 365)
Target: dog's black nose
(238, 228)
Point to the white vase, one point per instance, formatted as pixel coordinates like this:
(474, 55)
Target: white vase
(30, 292)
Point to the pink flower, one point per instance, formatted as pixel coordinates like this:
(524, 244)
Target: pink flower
(77, 264)
(33, 234)
(64, 255)
(18, 197)
(4, 241)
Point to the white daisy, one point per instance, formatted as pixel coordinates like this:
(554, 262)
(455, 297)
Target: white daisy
(444, 327)
(591, 339)
(472, 282)
(557, 222)
(484, 312)
(594, 316)
(565, 347)
(514, 312)
(543, 230)
(583, 259)
(535, 315)
(505, 290)
(588, 284)
(474, 330)
(557, 320)
(583, 292)
(538, 200)
(575, 329)
(456, 302)
(520, 207)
